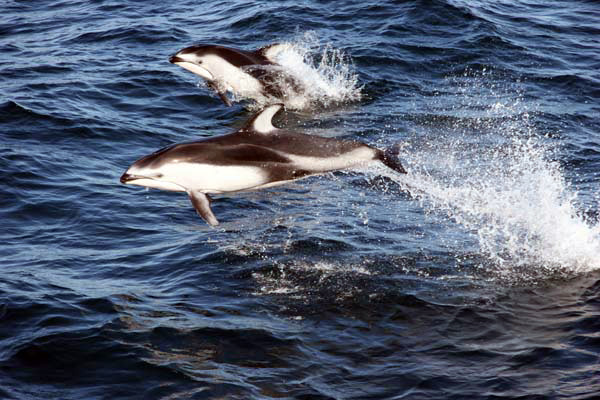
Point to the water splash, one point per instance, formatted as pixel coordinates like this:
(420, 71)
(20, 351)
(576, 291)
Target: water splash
(521, 210)
(301, 278)
(312, 75)
(491, 172)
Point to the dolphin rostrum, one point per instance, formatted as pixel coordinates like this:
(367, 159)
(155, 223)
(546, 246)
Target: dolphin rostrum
(246, 74)
(256, 156)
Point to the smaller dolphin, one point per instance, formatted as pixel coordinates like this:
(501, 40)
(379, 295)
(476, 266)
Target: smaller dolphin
(257, 156)
(246, 74)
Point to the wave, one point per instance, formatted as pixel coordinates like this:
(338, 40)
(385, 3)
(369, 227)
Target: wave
(139, 33)
(11, 111)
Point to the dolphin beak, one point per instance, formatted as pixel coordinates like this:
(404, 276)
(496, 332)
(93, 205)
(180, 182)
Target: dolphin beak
(191, 66)
(126, 178)
(152, 181)
(174, 59)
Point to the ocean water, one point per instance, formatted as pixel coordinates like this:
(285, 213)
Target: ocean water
(474, 276)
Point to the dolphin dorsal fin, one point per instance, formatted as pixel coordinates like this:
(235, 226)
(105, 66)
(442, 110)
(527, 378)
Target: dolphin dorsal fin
(262, 121)
(271, 51)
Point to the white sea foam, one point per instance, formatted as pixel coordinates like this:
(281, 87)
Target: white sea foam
(325, 75)
(319, 272)
(496, 176)
(521, 209)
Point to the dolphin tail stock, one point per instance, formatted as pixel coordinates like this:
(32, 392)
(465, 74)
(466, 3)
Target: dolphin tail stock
(201, 203)
(389, 157)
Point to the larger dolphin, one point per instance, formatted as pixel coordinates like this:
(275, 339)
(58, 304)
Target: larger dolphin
(257, 156)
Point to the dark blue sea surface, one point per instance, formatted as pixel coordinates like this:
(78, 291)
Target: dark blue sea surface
(474, 276)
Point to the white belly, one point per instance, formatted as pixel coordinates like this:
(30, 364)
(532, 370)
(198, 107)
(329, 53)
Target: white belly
(210, 178)
(233, 78)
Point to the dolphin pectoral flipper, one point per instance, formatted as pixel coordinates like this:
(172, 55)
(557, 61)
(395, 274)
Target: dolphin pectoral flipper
(201, 203)
(221, 93)
(225, 99)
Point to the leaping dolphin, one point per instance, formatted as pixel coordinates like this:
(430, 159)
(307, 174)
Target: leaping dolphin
(257, 156)
(246, 74)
